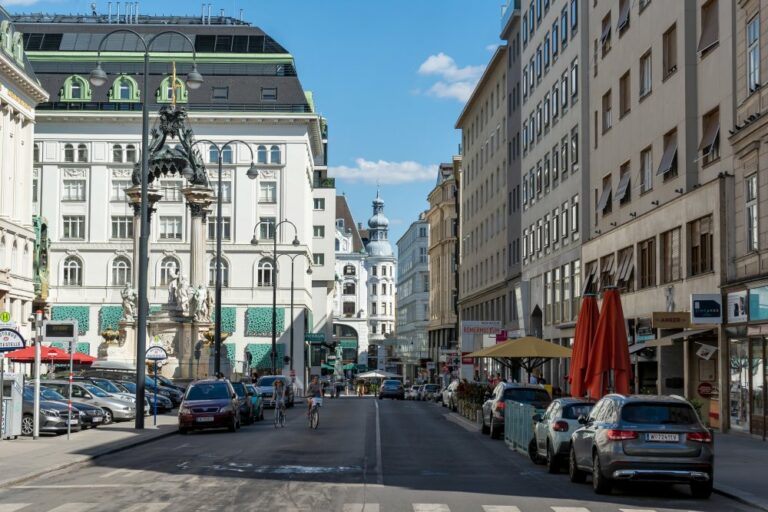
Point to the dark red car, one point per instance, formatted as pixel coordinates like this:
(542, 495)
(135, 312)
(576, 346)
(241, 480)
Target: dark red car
(210, 403)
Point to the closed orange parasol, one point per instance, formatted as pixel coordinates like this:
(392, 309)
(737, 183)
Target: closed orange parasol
(586, 325)
(608, 367)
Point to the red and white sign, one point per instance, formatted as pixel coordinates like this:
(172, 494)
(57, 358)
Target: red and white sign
(501, 336)
(705, 389)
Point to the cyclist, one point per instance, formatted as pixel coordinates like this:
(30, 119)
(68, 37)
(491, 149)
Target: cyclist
(314, 390)
(279, 395)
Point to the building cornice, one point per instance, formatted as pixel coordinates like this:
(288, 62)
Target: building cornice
(33, 89)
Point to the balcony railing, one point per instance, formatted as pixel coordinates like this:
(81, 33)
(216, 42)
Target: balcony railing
(136, 107)
(325, 183)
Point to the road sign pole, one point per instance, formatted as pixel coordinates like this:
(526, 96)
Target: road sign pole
(38, 341)
(2, 395)
(69, 402)
(156, 389)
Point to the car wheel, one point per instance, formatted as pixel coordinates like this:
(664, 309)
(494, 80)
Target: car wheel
(702, 490)
(108, 417)
(27, 425)
(600, 484)
(533, 453)
(484, 428)
(553, 464)
(233, 426)
(494, 430)
(574, 473)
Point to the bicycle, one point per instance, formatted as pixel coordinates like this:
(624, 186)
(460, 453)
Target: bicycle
(279, 414)
(314, 412)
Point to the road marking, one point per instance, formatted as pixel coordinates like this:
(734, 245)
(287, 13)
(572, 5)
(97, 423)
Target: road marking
(113, 473)
(569, 509)
(361, 507)
(73, 486)
(185, 445)
(379, 470)
(430, 507)
(500, 508)
(636, 510)
(12, 507)
(146, 507)
(72, 507)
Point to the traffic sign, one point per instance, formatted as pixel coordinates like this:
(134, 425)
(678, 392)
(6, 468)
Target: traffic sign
(5, 317)
(10, 339)
(156, 354)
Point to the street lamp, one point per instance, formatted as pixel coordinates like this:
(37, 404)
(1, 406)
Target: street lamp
(296, 243)
(252, 173)
(98, 78)
(309, 273)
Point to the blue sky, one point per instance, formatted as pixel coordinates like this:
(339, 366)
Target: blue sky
(391, 76)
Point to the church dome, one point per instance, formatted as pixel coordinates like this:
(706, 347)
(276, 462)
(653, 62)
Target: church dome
(379, 220)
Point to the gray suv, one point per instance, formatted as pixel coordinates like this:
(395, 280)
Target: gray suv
(642, 438)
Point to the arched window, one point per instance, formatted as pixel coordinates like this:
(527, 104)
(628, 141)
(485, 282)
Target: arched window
(130, 153)
(224, 273)
(165, 91)
(349, 288)
(124, 89)
(266, 273)
(349, 270)
(261, 154)
(117, 153)
(73, 272)
(274, 155)
(69, 153)
(75, 88)
(226, 155)
(36, 153)
(121, 271)
(82, 153)
(168, 267)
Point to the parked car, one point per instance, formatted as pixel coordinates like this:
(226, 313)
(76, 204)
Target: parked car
(643, 438)
(209, 403)
(412, 393)
(392, 389)
(428, 391)
(174, 394)
(83, 392)
(493, 408)
(91, 416)
(164, 404)
(247, 412)
(266, 386)
(450, 399)
(168, 383)
(115, 391)
(257, 401)
(552, 430)
(54, 416)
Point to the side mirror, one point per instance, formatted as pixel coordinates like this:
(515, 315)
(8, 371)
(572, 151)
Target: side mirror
(582, 419)
(537, 418)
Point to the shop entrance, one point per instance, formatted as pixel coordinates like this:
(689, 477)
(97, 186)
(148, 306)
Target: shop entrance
(748, 385)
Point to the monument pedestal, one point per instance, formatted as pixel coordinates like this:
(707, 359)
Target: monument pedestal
(122, 349)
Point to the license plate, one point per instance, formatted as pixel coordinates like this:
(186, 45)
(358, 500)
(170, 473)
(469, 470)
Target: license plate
(73, 422)
(204, 419)
(97, 419)
(663, 438)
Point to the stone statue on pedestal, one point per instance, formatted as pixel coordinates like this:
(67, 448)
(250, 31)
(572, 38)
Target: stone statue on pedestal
(129, 303)
(173, 284)
(183, 294)
(199, 304)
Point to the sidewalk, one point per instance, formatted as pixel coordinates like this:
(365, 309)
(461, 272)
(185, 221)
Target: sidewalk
(740, 463)
(24, 458)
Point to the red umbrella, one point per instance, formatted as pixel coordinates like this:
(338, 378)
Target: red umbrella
(80, 358)
(586, 325)
(47, 354)
(610, 351)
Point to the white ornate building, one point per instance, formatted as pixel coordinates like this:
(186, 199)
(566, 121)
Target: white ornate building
(88, 139)
(20, 92)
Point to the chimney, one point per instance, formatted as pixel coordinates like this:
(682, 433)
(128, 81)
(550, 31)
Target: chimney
(209, 14)
(221, 13)
(117, 14)
(129, 12)
(136, 14)
(109, 12)
(202, 15)
(241, 14)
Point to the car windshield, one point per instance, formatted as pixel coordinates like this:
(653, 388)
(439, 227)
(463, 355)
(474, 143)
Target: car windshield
(266, 381)
(239, 389)
(107, 386)
(130, 386)
(49, 394)
(209, 391)
(96, 391)
(659, 414)
(432, 387)
(572, 412)
(29, 394)
(536, 397)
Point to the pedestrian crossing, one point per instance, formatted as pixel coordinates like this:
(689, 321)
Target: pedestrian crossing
(348, 507)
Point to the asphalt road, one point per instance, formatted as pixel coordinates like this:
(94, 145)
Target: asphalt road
(366, 456)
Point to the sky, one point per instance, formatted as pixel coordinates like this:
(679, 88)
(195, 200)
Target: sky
(390, 76)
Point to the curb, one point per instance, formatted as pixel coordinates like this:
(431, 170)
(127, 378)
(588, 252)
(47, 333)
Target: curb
(458, 418)
(90, 458)
(733, 494)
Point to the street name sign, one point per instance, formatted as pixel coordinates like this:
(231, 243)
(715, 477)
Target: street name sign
(10, 339)
(156, 354)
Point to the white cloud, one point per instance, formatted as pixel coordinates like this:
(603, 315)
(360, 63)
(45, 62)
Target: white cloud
(492, 47)
(455, 82)
(384, 172)
(20, 2)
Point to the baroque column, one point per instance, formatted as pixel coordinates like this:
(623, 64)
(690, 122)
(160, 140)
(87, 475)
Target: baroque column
(199, 200)
(134, 199)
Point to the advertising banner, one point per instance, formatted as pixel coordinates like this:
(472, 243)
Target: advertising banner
(737, 307)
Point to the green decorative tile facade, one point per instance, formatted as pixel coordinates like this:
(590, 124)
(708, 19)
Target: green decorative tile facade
(79, 313)
(228, 316)
(261, 355)
(82, 347)
(231, 349)
(258, 321)
(109, 317)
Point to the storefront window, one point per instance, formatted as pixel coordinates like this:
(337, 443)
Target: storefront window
(739, 393)
(757, 367)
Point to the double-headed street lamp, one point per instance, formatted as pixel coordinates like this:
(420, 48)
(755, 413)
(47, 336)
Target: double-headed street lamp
(98, 78)
(309, 272)
(252, 173)
(296, 243)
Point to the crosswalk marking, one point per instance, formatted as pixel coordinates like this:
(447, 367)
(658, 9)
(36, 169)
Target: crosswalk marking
(430, 507)
(569, 509)
(12, 507)
(361, 507)
(635, 510)
(72, 507)
(500, 508)
(147, 507)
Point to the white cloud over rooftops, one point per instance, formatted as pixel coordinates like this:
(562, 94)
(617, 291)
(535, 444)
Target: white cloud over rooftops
(384, 172)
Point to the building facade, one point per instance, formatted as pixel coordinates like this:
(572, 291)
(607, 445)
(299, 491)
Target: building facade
(413, 293)
(20, 92)
(87, 144)
(443, 221)
(660, 181)
(555, 167)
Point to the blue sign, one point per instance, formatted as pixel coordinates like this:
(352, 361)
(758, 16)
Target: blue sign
(10, 339)
(758, 303)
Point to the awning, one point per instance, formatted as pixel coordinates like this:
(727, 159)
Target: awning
(709, 28)
(623, 16)
(588, 278)
(624, 265)
(708, 139)
(621, 190)
(668, 158)
(527, 347)
(667, 341)
(606, 33)
(637, 347)
(604, 198)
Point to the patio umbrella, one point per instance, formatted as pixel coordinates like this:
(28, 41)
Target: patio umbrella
(608, 365)
(586, 325)
(47, 354)
(531, 351)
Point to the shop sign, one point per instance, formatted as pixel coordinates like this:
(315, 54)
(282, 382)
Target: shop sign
(737, 307)
(501, 336)
(467, 360)
(671, 320)
(758, 303)
(706, 308)
(705, 389)
(313, 337)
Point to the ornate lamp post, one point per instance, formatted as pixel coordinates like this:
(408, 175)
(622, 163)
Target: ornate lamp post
(296, 243)
(98, 78)
(252, 173)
